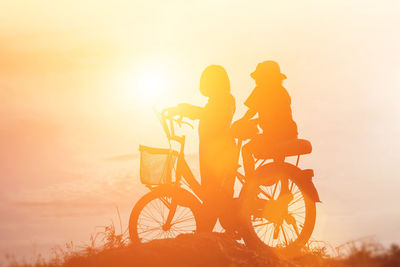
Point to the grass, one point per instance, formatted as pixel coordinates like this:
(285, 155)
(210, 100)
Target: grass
(108, 248)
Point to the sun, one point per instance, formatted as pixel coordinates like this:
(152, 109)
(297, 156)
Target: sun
(144, 85)
(150, 85)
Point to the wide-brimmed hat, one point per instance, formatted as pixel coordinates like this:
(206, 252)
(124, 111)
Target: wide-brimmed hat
(268, 69)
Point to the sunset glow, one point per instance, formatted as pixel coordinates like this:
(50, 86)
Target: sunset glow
(79, 81)
(147, 86)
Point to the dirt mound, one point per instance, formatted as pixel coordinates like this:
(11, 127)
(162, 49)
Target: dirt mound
(209, 249)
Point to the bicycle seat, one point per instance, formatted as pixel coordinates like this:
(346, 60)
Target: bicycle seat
(289, 148)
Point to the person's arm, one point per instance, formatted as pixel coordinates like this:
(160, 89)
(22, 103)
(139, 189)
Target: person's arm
(245, 127)
(249, 114)
(252, 103)
(190, 111)
(244, 121)
(186, 110)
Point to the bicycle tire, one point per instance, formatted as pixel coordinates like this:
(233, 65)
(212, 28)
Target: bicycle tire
(252, 237)
(141, 214)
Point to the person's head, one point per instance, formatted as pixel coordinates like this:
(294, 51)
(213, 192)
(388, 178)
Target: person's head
(214, 81)
(268, 72)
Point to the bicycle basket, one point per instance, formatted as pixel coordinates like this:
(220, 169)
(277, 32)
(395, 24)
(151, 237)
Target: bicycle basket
(156, 165)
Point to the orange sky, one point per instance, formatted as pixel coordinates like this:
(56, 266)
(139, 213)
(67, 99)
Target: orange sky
(68, 73)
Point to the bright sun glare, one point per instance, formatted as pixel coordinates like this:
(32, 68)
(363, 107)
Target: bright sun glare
(150, 85)
(144, 86)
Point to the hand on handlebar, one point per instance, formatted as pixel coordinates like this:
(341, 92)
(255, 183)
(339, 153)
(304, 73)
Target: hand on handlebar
(172, 112)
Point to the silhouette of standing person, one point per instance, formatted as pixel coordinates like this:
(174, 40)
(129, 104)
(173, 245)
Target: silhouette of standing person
(217, 147)
(273, 104)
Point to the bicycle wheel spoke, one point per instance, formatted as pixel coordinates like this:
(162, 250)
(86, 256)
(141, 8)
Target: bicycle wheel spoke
(296, 229)
(151, 216)
(289, 232)
(298, 215)
(162, 205)
(270, 236)
(149, 230)
(273, 193)
(159, 235)
(300, 210)
(184, 226)
(295, 201)
(183, 220)
(284, 235)
(258, 230)
(265, 193)
(157, 209)
(149, 213)
(184, 213)
(262, 224)
(291, 186)
(179, 212)
(182, 231)
(265, 232)
(147, 221)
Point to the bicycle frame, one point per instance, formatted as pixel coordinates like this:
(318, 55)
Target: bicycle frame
(184, 172)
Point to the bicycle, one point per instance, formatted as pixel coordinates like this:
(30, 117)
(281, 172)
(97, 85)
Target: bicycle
(277, 208)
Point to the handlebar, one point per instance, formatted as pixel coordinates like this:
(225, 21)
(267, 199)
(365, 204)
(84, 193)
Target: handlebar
(168, 124)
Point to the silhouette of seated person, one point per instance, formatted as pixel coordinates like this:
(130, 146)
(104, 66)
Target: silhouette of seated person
(217, 148)
(271, 102)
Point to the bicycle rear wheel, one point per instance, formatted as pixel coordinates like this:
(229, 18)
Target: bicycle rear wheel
(277, 220)
(164, 212)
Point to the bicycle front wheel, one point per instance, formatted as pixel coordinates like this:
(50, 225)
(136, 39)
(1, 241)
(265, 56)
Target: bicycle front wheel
(164, 212)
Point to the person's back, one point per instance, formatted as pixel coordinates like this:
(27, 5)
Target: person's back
(217, 117)
(271, 102)
(216, 144)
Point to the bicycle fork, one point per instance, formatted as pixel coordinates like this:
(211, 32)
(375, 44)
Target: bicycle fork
(172, 209)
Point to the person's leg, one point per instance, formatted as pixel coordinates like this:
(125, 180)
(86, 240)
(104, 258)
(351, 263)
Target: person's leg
(226, 218)
(285, 191)
(208, 212)
(208, 216)
(248, 160)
